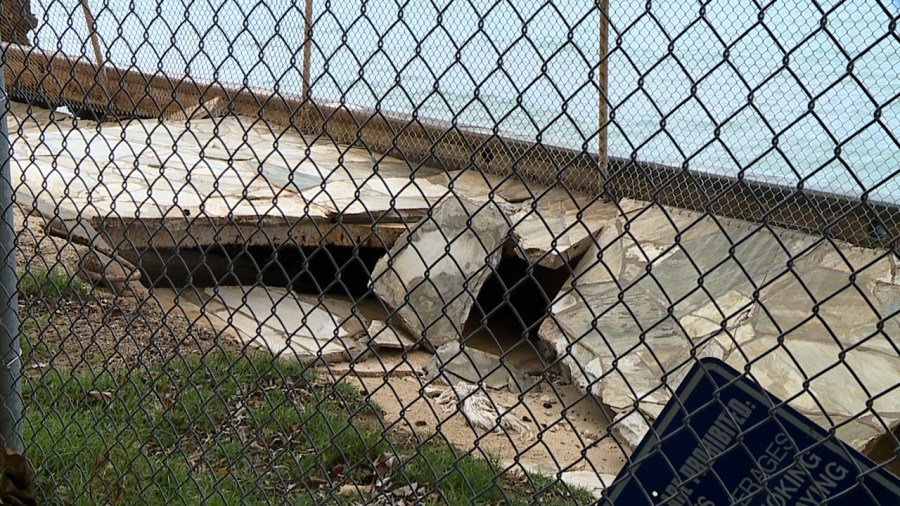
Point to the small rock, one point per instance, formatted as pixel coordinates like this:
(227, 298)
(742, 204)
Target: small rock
(546, 401)
(421, 423)
(385, 336)
(548, 413)
(630, 428)
(526, 418)
(589, 434)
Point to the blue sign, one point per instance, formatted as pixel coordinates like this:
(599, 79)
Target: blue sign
(722, 440)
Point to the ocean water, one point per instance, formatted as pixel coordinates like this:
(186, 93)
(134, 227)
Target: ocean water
(783, 91)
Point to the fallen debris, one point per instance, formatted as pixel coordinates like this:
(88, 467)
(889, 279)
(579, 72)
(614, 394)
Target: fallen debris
(455, 364)
(286, 323)
(433, 273)
(115, 274)
(479, 410)
(99, 264)
(387, 336)
(17, 478)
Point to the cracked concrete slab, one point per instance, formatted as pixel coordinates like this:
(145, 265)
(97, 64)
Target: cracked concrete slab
(641, 302)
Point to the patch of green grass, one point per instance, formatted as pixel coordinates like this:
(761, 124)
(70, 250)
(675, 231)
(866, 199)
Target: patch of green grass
(51, 286)
(229, 428)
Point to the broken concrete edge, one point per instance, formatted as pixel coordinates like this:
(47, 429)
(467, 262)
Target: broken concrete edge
(638, 404)
(99, 264)
(381, 334)
(457, 245)
(207, 315)
(455, 363)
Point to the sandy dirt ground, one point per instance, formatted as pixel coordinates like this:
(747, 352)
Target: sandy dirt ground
(568, 429)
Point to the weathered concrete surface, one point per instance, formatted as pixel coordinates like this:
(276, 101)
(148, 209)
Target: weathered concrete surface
(231, 180)
(387, 336)
(207, 181)
(433, 274)
(276, 319)
(810, 321)
(558, 225)
(455, 363)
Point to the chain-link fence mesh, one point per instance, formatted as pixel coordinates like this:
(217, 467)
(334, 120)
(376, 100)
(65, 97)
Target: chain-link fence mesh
(441, 252)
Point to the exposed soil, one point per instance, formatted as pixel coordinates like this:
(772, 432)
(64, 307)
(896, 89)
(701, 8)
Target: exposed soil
(97, 331)
(568, 435)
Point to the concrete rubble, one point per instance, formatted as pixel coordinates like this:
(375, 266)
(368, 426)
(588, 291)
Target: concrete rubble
(283, 322)
(433, 274)
(454, 363)
(389, 336)
(832, 335)
(656, 287)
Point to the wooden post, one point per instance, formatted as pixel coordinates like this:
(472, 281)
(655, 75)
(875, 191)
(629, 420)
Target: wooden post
(603, 93)
(102, 78)
(306, 118)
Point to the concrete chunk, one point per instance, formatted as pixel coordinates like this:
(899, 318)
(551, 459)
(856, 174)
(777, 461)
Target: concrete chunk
(387, 336)
(281, 321)
(433, 273)
(455, 363)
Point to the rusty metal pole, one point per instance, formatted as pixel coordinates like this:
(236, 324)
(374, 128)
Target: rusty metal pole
(602, 69)
(11, 406)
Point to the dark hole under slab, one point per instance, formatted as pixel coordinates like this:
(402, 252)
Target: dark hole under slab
(509, 308)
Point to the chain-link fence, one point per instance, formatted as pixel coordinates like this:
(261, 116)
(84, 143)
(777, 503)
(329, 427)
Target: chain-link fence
(447, 252)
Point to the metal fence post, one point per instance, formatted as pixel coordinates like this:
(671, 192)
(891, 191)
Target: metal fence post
(10, 353)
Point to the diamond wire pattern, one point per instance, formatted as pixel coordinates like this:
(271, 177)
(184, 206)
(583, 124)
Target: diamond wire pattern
(749, 91)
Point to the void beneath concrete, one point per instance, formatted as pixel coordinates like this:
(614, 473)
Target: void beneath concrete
(333, 270)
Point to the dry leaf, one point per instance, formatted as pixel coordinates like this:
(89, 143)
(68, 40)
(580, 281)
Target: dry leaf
(17, 469)
(336, 471)
(17, 478)
(407, 490)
